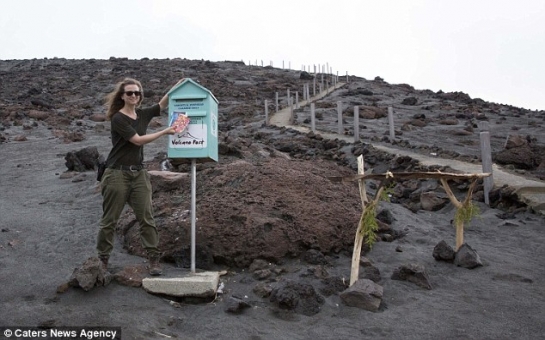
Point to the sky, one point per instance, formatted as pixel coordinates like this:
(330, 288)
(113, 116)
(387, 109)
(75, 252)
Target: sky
(489, 49)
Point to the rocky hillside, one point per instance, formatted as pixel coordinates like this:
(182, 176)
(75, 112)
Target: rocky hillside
(268, 197)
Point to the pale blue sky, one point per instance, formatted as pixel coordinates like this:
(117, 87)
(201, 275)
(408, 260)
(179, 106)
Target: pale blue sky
(494, 50)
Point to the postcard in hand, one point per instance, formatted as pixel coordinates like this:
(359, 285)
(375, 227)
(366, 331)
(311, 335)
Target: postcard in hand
(179, 121)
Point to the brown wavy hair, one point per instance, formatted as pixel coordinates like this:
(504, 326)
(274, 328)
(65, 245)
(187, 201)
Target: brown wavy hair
(114, 103)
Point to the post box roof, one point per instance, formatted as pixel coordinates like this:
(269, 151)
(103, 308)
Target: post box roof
(188, 82)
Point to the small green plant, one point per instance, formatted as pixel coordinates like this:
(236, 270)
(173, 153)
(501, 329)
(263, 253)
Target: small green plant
(387, 192)
(368, 223)
(466, 212)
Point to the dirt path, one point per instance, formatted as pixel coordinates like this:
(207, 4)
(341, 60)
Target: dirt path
(530, 191)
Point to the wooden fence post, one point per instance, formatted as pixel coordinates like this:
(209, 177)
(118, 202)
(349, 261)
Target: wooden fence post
(356, 254)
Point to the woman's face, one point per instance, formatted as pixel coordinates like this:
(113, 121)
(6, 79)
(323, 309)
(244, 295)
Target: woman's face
(131, 94)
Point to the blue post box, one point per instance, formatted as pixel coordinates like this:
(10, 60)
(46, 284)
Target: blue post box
(200, 139)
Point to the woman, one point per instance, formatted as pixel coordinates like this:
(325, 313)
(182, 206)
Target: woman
(125, 180)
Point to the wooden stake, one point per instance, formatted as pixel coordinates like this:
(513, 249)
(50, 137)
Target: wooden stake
(355, 268)
(356, 254)
(459, 224)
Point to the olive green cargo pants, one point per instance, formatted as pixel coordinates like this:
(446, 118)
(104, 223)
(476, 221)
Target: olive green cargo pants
(132, 187)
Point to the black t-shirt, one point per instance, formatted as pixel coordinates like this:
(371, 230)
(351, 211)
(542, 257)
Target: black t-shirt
(124, 128)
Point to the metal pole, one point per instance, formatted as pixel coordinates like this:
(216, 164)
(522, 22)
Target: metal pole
(322, 83)
(266, 112)
(486, 159)
(391, 123)
(288, 94)
(340, 117)
(356, 124)
(290, 103)
(313, 117)
(193, 210)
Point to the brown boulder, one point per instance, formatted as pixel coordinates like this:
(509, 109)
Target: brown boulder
(449, 121)
(132, 276)
(515, 141)
(429, 201)
(91, 273)
(372, 112)
(418, 122)
(38, 115)
(521, 157)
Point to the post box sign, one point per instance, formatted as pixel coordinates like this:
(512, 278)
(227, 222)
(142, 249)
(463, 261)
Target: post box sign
(199, 139)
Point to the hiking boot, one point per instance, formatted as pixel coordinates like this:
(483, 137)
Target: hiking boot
(104, 259)
(154, 267)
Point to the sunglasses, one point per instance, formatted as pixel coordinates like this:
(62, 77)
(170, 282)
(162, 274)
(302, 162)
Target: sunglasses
(131, 93)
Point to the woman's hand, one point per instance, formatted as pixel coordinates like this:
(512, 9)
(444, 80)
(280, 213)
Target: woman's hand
(163, 103)
(170, 130)
(178, 83)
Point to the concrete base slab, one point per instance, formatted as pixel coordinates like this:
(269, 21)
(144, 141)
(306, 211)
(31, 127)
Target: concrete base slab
(203, 284)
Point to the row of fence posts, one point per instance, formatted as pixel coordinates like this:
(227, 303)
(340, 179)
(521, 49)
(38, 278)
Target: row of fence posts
(293, 103)
(484, 134)
(320, 69)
